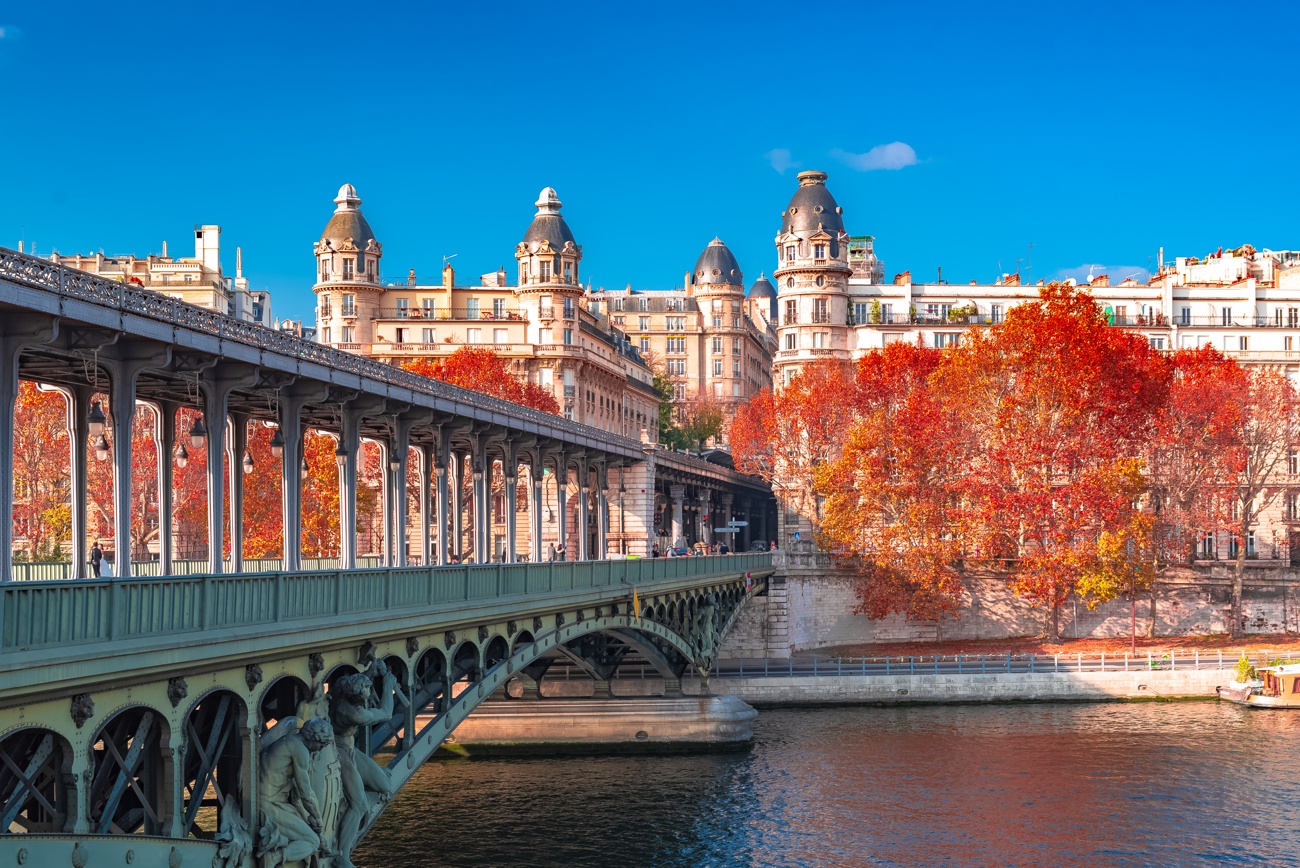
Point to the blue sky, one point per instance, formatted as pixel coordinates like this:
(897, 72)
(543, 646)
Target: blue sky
(957, 134)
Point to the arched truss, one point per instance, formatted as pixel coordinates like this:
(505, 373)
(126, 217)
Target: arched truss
(36, 781)
(130, 783)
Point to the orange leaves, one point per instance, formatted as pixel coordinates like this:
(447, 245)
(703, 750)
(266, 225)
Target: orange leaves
(482, 370)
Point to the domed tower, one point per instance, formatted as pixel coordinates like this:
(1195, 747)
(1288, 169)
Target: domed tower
(549, 288)
(347, 274)
(760, 302)
(719, 289)
(812, 279)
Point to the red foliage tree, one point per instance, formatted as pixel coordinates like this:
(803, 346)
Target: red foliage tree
(481, 370)
(42, 514)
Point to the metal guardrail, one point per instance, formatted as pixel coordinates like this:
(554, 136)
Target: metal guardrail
(44, 571)
(42, 614)
(978, 664)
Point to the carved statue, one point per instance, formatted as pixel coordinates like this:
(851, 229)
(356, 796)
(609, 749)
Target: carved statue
(291, 811)
(351, 707)
(233, 840)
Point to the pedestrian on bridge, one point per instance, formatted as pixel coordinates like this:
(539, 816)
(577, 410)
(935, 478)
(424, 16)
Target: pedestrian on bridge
(96, 558)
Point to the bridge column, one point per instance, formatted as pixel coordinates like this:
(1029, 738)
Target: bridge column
(427, 545)
(457, 507)
(290, 418)
(512, 522)
(79, 441)
(584, 518)
(724, 518)
(562, 495)
(706, 532)
(123, 372)
(346, 455)
(535, 472)
(238, 447)
(397, 463)
(483, 509)
(165, 437)
(216, 402)
(678, 494)
(12, 342)
(602, 512)
(442, 506)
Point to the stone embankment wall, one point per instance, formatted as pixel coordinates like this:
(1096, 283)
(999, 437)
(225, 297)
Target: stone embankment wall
(1019, 687)
(809, 605)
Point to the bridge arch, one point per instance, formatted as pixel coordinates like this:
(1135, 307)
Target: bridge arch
(131, 773)
(281, 698)
(215, 762)
(37, 784)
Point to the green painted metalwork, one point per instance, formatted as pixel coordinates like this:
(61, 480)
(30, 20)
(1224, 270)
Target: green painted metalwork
(62, 613)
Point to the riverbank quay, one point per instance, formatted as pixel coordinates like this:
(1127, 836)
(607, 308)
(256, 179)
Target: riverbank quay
(770, 683)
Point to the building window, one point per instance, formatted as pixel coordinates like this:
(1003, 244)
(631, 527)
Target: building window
(546, 336)
(347, 268)
(821, 310)
(1186, 316)
(544, 271)
(568, 337)
(675, 323)
(545, 306)
(1292, 506)
(474, 336)
(789, 253)
(616, 304)
(735, 367)
(428, 305)
(429, 336)
(643, 323)
(569, 389)
(790, 341)
(568, 272)
(946, 339)
(645, 345)
(1293, 460)
(791, 312)
(1293, 317)
(735, 390)
(819, 251)
(401, 336)
(735, 346)
(471, 308)
(500, 336)
(568, 308)
(1226, 313)
(717, 322)
(819, 340)
(677, 367)
(325, 335)
(995, 313)
(325, 306)
(789, 283)
(735, 322)
(1286, 343)
(717, 367)
(1243, 343)
(348, 334)
(498, 308)
(349, 304)
(859, 312)
(676, 345)
(402, 305)
(717, 345)
(1156, 343)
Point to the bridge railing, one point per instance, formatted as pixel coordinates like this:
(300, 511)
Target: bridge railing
(39, 571)
(984, 664)
(48, 613)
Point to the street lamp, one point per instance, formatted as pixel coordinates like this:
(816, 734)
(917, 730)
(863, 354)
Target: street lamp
(394, 464)
(248, 462)
(182, 456)
(101, 447)
(341, 455)
(198, 433)
(277, 444)
(96, 419)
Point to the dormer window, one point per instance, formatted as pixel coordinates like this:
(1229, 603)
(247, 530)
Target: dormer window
(789, 253)
(819, 251)
(347, 269)
(568, 272)
(544, 271)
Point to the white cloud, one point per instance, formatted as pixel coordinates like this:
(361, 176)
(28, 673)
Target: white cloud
(894, 155)
(1116, 273)
(8, 31)
(781, 159)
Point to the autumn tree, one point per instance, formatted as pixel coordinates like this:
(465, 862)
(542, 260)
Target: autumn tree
(481, 370)
(1267, 433)
(695, 419)
(41, 510)
(893, 509)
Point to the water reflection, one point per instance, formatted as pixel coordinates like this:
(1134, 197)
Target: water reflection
(1051, 785)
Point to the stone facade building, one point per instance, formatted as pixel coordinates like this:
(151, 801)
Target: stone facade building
(198, 280)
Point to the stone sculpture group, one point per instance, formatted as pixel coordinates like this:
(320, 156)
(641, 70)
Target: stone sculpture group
(316, 787)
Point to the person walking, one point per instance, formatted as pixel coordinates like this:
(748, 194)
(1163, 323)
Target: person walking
(96, 558)
(552, 551)
(559, 552)
(654, 551)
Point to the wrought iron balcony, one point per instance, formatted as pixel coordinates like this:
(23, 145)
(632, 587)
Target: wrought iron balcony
(451, 313)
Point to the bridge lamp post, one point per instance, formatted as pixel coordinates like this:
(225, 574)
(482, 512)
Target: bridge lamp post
(182, 456)
(95, 419)
(198, 433)
(101, 447)
(277, 444)
(248, 462)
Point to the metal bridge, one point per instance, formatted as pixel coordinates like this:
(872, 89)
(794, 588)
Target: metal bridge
(140, 716)
(263, 713)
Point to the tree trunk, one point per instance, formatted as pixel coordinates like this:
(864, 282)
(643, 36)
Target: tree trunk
(1238, 580)
(1054, 623)
(1151, 628)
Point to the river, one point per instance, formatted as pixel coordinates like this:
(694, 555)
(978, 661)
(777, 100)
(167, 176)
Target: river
(1131, 784)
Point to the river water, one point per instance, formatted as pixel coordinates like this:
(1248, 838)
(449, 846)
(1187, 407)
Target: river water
(1140, 784)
